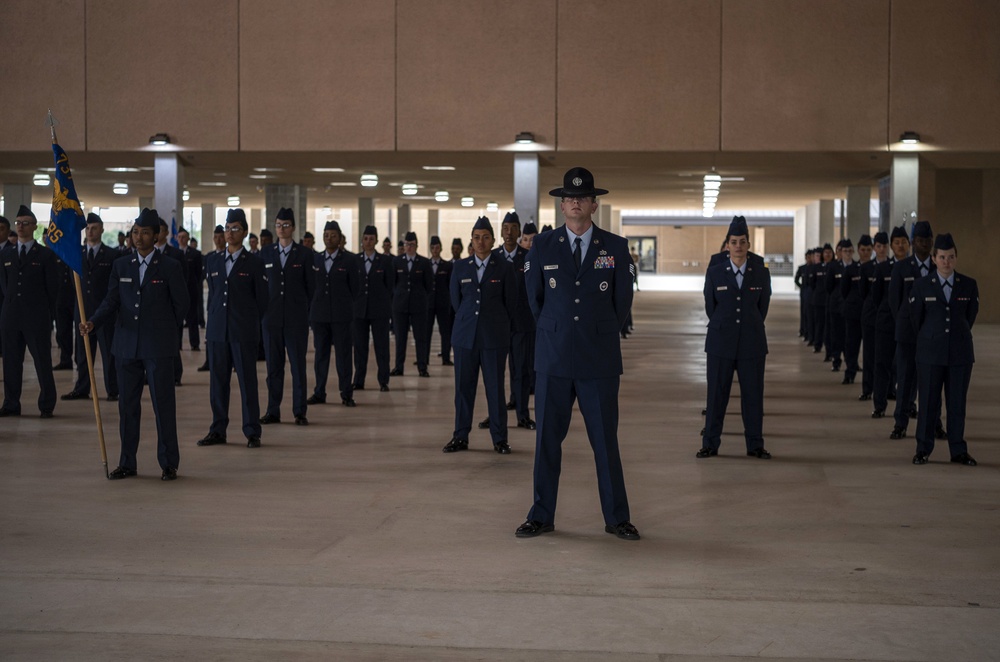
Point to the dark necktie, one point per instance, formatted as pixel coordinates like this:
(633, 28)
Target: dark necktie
(577, 257)
(739, 278)
(947, 292)
(24, 252)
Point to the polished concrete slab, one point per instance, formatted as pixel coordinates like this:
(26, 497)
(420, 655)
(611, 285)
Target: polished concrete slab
(356, 538)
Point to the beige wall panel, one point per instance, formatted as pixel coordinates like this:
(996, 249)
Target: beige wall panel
(472, 75)
(38, 72)
(162, 65)
(639, 75)
(945, 68)
(317, 75)
(804, 75)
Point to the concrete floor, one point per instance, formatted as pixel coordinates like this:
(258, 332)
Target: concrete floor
(356, 538)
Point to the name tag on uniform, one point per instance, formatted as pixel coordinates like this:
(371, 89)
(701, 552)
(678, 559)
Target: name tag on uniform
(856, 278)
(550, 266)
(908, 278)
(466, 280)
(930, 298)
(722, 287)
(7, 264)
(125, 280)
(214, 273)
(269, 265)
(837, 275)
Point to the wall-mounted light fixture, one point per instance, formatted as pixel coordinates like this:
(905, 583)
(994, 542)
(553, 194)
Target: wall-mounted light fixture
(41, 179)
(525, 138)
(159, 139)
(909, 138)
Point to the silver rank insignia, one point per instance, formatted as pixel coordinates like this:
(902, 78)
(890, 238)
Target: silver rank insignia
(552, 283)
(604, 285)
(603, 253)
(577, 181)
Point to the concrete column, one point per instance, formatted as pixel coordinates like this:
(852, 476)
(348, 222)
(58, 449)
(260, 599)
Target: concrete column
(859, 220)
(759, 241)
(801, 242)
(256, 221)
(616, 221)
(208, 224)
(291, 196)
(168, 190)
(905, 190)
(15, 195)
(603, 219)
(434, 225)
(819, 223)
(559, 215)
(526, 187)
(366, 217)
(403, 222)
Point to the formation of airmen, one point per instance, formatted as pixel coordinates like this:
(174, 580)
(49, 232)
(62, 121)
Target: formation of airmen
(529, 306)
(909, 316)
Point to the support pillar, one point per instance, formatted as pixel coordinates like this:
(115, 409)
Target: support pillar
(208, 224)
(168, 189)
(859, 220)
(603, 219)
(15, 195)
(526, 187)
(256, 221)
(801, 241)
(366, 217)
(559, 219)
(403, 224)
(819, 223)
(291, 196)
(616, 222)
(434, 225)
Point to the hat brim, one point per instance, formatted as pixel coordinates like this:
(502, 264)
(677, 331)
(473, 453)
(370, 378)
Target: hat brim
(576, 193)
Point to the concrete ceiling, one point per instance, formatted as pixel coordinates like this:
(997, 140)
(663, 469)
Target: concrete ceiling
(644, 180)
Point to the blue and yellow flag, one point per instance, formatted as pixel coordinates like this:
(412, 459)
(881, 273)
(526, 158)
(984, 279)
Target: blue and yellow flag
(66, 221)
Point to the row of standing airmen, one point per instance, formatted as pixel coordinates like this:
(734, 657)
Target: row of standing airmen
(909, 318)
(272, 297)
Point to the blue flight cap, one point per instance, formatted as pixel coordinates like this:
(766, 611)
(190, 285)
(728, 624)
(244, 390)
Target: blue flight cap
(738, 228)
(530, 228)
(331, 225)
(512, 217)
(922, 229)
(148, 218)
(881, 238)
(944, 242)
(483, 223)
(237, 215)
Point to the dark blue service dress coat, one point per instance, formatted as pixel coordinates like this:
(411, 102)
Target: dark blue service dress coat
(904, 274)
(286, 322)
(372, 312)
(145, 313)
(410, 302)
(481, 337)
(439, 303)
(579, 314)
(332, 319)
(522, 337)
(945, 355)
(736, 341)
(31, 290)
(236, 306)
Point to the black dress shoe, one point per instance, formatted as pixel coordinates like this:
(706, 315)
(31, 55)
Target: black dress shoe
(864, 397)
(178, 384)
(316, 399)
(897, 432)
(964, 458)
(511, 405)
(455, 445)
(348, 402)
(8, 412)
(212, 439)
(623, 530)
(759, 453)
(847, 380)
(835, 368)
(913, 412)
(75, 395)
(826, 359)
(921, 458)
(502, 447)
(253, 441)
(301, 420)
(267, 419)
(63, 366)
(424, 373)
(532, 528)
(706, 452)
(447, 362)
(383, 388)
(169, 474)
(121, 472)
(113, 397)
(45, 413)
(817, 350)
(484, 424)
(196, 348)
(526, 423)
(704, 412)
(878, 413)
(396, 372)
(940, 432)
(702, 433)
(891, 395)
(358, 387)
(203, 367)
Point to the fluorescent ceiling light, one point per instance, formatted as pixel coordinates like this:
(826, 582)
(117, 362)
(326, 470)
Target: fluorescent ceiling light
(342, 184)
(260, 177)
(122, 169)
(713, 178)
(42, 179)
(269, 170)
(211, 183)
(441, 196)
(185, 196)
(492, 206)
(409, 188)
(468, 201)
(120, 188)
(233, 201)
(369, 179)
(328, 170)
(712, 185)
(438, 167)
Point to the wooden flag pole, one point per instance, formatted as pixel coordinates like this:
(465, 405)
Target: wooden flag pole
(51, 122)
(93, 380)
